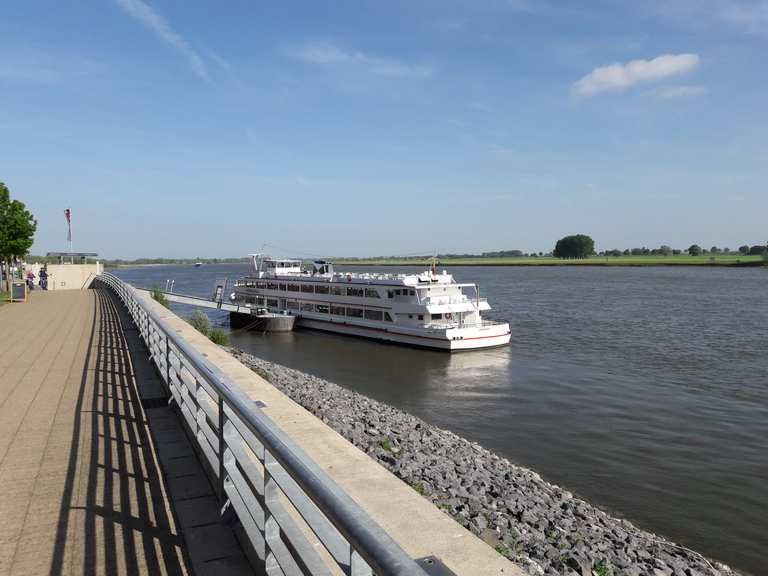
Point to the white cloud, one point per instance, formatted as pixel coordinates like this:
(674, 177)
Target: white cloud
(617, 76)
(676, 92)
(155, 22)
(328, 54)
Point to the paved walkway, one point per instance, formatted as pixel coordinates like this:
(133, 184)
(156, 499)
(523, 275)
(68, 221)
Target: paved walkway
(80, 489)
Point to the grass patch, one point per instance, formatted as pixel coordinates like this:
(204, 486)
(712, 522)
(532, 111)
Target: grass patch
(602, 568)
(386, 445)
(263, 373)
(418, 487)
(159, 297)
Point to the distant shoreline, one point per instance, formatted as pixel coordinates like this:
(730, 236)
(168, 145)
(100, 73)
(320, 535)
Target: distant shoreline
(591, 262)
(729, 260)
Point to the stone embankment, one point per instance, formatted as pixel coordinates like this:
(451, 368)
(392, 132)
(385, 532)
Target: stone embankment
(539, 525)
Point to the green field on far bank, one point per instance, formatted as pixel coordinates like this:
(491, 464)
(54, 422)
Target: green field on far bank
(675, 260)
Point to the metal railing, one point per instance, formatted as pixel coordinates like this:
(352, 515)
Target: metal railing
(285, 503)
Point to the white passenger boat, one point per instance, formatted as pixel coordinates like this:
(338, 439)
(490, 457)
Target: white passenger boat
(427, 309)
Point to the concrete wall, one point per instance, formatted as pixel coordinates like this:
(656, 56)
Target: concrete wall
(67, 276)
(418, 526)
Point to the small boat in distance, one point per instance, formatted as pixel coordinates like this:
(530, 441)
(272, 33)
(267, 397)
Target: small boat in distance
(198, 264)
(427, 309)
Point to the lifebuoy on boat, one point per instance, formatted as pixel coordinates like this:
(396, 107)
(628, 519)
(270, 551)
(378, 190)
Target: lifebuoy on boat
(448, 316)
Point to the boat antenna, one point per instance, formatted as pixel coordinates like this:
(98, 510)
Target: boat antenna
(434, 263)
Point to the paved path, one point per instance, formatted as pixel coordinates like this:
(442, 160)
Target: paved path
(80, 490)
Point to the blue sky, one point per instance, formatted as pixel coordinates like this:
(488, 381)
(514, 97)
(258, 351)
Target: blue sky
(189, 128)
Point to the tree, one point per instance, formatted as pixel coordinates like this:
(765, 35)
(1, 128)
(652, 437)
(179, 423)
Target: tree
(715, 250)
(574, 246)
(665, 250)
(17, 230)
(757, 250)
(695, 250)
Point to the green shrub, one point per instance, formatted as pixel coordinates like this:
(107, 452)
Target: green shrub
(200, 322)
(219, 336)
(159, 297)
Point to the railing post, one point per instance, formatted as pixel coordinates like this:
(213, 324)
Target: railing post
(222, 449)
(167, 363)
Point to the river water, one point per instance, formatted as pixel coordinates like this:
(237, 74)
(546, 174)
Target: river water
(643, 390)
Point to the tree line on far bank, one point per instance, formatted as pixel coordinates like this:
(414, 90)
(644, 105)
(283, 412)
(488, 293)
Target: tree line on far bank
(583, 246)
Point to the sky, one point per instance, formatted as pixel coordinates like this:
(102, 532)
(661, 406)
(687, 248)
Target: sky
(184, 128)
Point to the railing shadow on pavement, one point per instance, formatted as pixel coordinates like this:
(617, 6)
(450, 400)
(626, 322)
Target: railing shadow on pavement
(115, 520)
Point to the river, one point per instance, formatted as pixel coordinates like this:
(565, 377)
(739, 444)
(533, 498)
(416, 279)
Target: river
(643, 390)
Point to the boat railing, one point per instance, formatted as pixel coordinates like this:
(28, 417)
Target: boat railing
(297, 520)
(440, 300)
(439, 326)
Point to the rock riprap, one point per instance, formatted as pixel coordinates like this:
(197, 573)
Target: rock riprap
(538, 525)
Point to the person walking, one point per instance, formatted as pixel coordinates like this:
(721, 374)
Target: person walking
(44, 277)
(31, 280)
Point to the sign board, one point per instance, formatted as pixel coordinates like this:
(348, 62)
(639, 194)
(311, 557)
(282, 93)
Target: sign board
(218, 290)
(19, 291)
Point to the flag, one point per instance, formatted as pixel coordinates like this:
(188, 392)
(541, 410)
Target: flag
(68, 216)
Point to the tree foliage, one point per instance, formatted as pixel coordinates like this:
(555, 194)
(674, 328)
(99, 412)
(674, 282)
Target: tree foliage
(695, 250)
(17, 227)
(574, 246)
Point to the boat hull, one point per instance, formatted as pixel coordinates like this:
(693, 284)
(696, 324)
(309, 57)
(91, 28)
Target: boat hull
(265, 323)
(454, 340)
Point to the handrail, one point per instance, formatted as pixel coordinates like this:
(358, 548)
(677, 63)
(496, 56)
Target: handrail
(258, 467)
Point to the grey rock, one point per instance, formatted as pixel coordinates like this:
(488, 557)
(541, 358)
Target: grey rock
(543, 527)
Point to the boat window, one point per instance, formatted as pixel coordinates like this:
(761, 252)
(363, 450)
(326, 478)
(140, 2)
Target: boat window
(282, 287)
(421, 316)
(337, 290)
(322, 308)
(337, 310)
(261, 284)
(321, 289)
(355, 291)
(293, 288)
(373, 315)
(271, 303)
(387, 317)
(371, 293)
(355, 312)
(272, 285)
(307, 288)
(390, 294)
(259, 300)
(306, 306)
(413, 292)
(292, 305)
(250, 300)
(437, 316)
(410, 316)
(397, 292)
